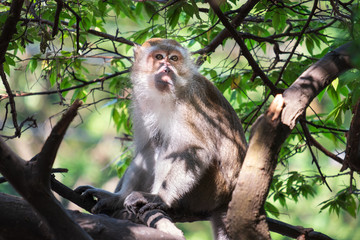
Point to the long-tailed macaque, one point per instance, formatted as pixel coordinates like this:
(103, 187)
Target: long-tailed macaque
(189, 141)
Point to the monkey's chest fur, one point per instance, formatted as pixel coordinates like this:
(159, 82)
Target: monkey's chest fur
(193, 144)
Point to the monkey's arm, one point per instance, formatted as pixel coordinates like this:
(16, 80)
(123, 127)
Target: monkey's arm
(176, 172)
(137, 177)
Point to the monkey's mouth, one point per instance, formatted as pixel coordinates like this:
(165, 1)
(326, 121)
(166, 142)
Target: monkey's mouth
(163, 81)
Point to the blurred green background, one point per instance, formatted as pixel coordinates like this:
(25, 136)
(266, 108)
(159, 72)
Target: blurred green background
(96, 150)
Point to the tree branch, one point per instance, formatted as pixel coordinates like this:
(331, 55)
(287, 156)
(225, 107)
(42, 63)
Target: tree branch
(97, 80)
(256, 68)
(318, 145)
(352, 156)
(32, 180)
(242, 13)
(11, 101)
(311, 82)
(7, 33)
(295, 231)
(298, 40)
(18, 221)
(246, 216)
(59, 8)
(9, 27)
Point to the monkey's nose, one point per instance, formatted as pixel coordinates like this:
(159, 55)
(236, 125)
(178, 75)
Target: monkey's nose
(167, 70)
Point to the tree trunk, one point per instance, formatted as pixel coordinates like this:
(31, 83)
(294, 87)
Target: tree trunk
(246, 216)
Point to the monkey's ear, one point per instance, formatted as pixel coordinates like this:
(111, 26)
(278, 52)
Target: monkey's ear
(137, 49)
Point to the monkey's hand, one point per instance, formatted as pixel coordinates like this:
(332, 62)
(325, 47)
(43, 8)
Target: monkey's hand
(107, 202)
(140, 202)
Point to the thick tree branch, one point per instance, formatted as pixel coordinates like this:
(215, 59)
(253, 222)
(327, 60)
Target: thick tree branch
(9, 27)
(59, 8)
(18, 221)
(352, 157)
(246, 216)
(8, 30)
(311, 82)
(32, 180)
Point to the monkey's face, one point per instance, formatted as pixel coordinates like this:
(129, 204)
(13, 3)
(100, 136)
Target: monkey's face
(161, 65)
(165, 65)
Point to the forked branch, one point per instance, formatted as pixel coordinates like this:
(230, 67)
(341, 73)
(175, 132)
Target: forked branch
(32, 180)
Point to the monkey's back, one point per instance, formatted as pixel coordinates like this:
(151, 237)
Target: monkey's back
(215, 126)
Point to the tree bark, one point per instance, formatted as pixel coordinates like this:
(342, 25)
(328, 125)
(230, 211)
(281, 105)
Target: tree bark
(19, 221)
(246, 216)
(32, 180)
(352, 156)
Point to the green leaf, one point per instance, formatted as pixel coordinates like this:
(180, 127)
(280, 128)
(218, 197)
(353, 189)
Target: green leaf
(309, 45)
(321, 94)
(279, 18)
(271, 209)
(150, 10)
(173, 14)
(125, 6)
(6, 68)
(335, 84)
(196, 9)
(32, 64)
(188, 9)
(115, 115)
(336, 114)
(333, 94)
(268, 15)
(9, 60)
(275, 20)
(53, 77)
(79, 93)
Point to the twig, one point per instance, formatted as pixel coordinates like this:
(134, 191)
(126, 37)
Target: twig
(97, 80)
(298, 40)
(11, 100)
(318, 145)
(308, 142)
(245, 51)
(243, 12)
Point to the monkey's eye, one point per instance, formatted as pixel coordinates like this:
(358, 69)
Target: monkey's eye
(159, 56)
(174, 58)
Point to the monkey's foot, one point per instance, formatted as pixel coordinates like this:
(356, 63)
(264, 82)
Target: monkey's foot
(151, 210)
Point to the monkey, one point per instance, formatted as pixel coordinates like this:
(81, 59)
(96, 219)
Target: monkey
(189, 141)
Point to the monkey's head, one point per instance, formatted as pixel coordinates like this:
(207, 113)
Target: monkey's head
(161, 65)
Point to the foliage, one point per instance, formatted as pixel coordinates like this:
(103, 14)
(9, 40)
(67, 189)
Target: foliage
(88, 58)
